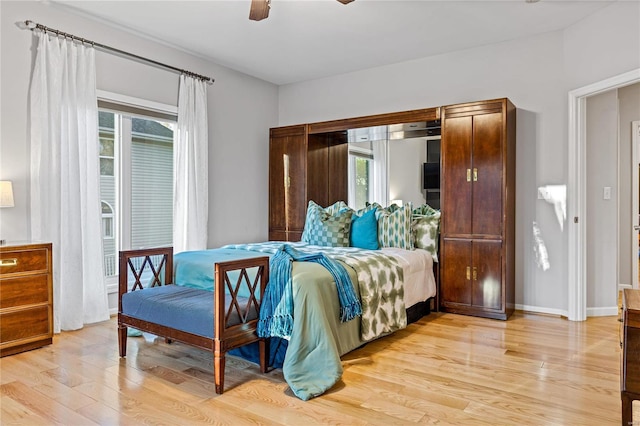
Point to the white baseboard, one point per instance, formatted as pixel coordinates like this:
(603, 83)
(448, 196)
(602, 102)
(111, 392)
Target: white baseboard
(541, 310)
(602, 312)
(591, 312)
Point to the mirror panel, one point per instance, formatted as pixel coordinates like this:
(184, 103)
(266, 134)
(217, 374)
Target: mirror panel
(396, 163)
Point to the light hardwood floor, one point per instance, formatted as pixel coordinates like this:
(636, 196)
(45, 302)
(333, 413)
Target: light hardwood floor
(444, 369)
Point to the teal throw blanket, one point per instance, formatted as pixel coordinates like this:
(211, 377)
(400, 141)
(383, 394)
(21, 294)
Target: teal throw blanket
(276, 310)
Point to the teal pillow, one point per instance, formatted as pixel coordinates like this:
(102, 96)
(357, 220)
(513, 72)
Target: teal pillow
(364, 231)
(323, 228)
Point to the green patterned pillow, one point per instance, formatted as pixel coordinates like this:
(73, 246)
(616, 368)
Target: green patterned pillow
(425, 232)
(425, 210)
(394, 227)
(330, 226)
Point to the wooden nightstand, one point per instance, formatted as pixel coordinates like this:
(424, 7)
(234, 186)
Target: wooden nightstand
(630, 355)
(26, 297)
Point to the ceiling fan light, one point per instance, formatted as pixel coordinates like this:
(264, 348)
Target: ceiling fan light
(345, 1)
(259, 9)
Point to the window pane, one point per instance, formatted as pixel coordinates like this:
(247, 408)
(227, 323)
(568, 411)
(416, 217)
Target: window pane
(108, 141)
(106, 145)
(106, 209)
(362, 181)
(151, 183)
(107, 223)
(106, 167)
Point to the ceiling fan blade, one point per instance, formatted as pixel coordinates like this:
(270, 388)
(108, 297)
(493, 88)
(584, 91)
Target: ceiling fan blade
(345, 1)
(259, 10)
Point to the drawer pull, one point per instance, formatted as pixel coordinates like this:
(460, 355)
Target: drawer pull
(8, 262)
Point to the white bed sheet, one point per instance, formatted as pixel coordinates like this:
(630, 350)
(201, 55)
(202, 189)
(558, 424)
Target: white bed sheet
(419, 281)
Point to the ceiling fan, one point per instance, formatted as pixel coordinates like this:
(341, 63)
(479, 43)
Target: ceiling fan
(260, 9)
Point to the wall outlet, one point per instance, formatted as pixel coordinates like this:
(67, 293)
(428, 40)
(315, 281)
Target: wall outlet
(606, 193)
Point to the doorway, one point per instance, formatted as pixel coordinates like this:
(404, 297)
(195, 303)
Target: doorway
(576, 191)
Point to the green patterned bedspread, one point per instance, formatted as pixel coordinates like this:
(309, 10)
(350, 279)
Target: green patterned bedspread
(380, 283)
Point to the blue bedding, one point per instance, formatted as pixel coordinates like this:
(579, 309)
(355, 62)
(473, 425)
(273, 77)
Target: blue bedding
(195, 269)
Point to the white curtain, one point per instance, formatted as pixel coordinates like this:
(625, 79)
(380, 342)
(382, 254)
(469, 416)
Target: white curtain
(190, 165)
(65, 178)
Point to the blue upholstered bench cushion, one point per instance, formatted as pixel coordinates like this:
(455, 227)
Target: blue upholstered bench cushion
(183, 308)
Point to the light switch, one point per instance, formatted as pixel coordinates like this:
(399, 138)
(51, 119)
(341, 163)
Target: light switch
(606, 193)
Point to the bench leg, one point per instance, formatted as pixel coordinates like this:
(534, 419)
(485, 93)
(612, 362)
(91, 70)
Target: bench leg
(627, 414)
(122, 340)
(218, 366)
(263, 344)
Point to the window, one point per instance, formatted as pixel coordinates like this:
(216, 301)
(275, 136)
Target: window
(107, 151)
(136, 181)
(107, 221)
(360, 175)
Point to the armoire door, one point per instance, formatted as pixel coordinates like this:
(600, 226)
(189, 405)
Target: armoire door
(287, 182)
(487, 166)
(456, 272)
(457, 189)
(486, 274)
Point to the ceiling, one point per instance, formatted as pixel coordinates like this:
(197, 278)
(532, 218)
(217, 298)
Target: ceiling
(309, 39)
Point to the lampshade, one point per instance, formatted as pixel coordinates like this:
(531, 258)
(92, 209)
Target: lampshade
(6, 194)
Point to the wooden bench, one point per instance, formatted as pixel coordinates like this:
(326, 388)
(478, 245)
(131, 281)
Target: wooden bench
(234, 318)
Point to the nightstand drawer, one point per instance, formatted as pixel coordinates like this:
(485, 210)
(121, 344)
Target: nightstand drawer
(22, 261)
(26, 297)
(24, 324)
(20, 291)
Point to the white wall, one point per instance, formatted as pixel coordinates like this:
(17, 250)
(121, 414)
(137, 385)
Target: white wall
(603, 45)
(602, 218)
(241, 110)
(536, 73)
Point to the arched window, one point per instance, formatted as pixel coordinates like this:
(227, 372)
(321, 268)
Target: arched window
(107, 221)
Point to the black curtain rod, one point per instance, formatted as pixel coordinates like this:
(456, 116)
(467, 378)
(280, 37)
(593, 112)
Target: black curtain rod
(35, 26)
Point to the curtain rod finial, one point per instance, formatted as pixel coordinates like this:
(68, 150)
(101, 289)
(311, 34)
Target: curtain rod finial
(26, 25)
(23, 25)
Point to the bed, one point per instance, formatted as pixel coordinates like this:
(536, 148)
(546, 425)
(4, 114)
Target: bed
(310, 357)
(392, 286)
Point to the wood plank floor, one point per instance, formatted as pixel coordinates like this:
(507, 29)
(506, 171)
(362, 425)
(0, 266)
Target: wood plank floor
(444, 369)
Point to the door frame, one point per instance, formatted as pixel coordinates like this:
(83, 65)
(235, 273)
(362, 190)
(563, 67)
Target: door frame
(635, 199)
(577, 191)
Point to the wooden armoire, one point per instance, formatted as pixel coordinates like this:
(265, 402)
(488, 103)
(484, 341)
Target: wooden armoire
(478, 208)
(302, 167)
